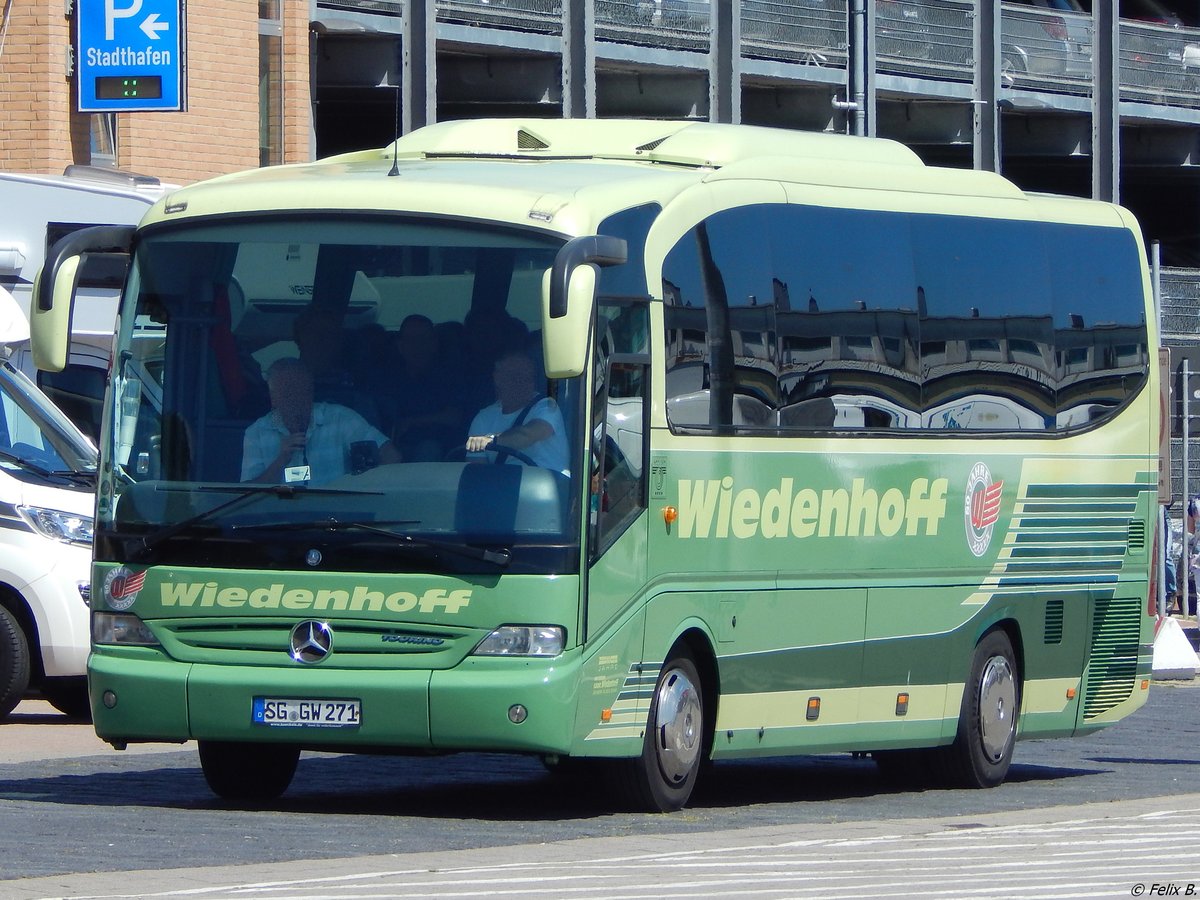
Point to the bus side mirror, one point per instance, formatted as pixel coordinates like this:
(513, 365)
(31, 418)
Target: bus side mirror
(54, 289)
(49, 329)
(568, 298)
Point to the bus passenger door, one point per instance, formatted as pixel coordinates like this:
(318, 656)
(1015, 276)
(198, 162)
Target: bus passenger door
(616, 532)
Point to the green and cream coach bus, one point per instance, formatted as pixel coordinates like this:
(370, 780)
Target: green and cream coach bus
(850, 454)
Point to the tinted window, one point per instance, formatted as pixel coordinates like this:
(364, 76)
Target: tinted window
(880, 320)
(848, 309)
(629, 279)
(985, 307)
(1101, 354)
(79, 392)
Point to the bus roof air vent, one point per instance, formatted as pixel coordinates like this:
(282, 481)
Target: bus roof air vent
(528, 141)
(646, 148)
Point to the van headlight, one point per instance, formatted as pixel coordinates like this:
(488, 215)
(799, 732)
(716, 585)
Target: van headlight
(121, 628)
(70, 528)
(522, 640)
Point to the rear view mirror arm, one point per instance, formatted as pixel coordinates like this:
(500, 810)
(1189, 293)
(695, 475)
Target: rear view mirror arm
(94, 239)
(597, 249)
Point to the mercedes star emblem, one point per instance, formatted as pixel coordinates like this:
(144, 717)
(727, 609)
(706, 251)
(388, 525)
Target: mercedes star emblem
(311, 642)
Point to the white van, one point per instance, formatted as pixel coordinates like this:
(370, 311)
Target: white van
(47, 497)
(35, 212)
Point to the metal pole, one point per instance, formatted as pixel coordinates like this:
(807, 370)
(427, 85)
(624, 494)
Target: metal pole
(1185, 563)
(1164, 520)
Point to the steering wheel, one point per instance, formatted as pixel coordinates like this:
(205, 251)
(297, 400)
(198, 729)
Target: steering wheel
(516, 454)
(460, 453)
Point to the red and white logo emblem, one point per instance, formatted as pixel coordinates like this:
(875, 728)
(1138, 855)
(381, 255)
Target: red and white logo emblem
(121, 587)
(982, 508)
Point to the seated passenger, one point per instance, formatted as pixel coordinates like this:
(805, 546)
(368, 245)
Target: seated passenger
(424, 395)
(320, 338)
(300, 440)
(521, 418)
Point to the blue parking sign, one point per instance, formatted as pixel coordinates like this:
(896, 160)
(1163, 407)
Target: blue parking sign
(129, 55)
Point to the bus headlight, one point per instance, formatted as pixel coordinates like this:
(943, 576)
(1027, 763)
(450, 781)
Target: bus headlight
(57, 525)
(522, 640)
(121, 628)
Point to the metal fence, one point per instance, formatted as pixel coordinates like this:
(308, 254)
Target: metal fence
(933, 38)
(1179, 322)
(673, 24)
(1180, 304)
(1160, 64)
(813, 33)
(377, 7)
(539, 16)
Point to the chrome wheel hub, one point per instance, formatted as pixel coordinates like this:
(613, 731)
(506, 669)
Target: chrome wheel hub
(679, 726)
(997, 707)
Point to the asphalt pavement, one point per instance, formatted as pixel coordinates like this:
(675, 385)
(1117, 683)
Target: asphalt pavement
(78, 819)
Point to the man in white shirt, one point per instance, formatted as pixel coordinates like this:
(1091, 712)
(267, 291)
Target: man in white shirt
(521, 418)
(301, 441)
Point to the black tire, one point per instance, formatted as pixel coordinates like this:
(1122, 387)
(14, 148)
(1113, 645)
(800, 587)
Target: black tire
(248, 772)
(662, 778)
(69, 696)
(14, 662)
(987, 721)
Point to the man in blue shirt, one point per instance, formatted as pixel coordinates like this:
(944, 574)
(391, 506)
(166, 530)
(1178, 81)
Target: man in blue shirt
(521, 418)
(302, 441)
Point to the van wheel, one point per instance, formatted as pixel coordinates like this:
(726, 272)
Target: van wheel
(69, 696)
(987, 721)
(662, 778)
(248, 772)
(14, 662)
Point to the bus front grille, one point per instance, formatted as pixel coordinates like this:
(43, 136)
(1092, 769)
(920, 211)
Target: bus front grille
(356, 644)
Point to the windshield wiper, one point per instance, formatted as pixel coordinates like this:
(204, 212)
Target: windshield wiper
(80, 476)
(28, 465)
(245, 496)
(500, 557)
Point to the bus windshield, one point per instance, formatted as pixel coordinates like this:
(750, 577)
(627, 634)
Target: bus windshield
(299, 392)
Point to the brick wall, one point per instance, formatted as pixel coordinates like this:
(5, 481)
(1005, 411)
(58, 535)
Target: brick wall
(40, 133)
(219, 131)
(297, 92)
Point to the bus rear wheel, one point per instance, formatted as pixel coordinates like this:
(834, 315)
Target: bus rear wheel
(662, 778)
(987, 721)
(247, 772)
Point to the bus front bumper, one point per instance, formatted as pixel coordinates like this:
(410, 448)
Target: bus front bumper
(497, 704)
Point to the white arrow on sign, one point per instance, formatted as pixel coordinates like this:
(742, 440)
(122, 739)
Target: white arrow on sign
(152, 26)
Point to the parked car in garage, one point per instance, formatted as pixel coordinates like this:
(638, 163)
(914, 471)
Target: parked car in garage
(1043, 39)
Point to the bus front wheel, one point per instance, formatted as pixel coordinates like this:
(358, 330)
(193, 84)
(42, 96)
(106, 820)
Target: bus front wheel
(247, 772)
(662, 778)
(987, 722)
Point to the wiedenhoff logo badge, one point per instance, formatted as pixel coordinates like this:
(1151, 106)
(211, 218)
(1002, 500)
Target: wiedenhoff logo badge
(121, 587)
(982, 507)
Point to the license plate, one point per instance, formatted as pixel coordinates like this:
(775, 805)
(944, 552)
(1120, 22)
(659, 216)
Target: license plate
(293, 712)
